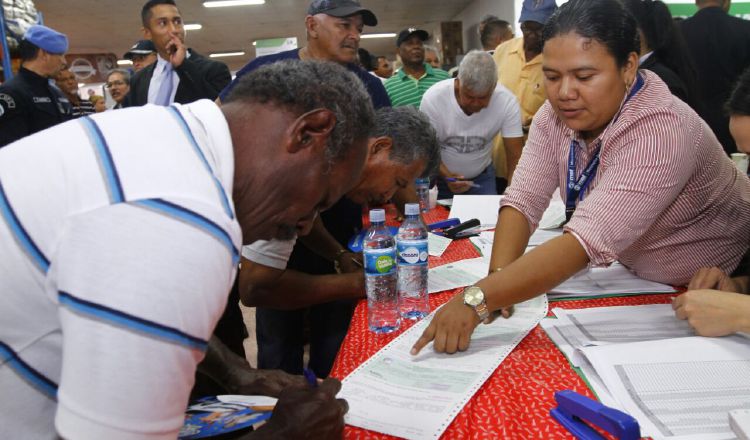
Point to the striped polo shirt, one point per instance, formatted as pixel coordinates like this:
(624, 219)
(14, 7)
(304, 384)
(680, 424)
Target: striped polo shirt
(84, 107)
(117, 256)
(404, 90)
(665, 201)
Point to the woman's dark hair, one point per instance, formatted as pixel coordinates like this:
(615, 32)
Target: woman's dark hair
(739, 100)
(665, 39)
(605, 21)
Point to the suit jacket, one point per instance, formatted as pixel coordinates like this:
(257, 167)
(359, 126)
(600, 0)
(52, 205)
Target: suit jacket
(720, 47)
(200, 78)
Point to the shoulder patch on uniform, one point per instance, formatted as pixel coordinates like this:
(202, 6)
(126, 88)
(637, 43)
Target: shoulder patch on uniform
(2, 110)
(9, 101)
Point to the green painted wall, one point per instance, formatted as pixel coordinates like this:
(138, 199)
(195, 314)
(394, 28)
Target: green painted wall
(741, 10)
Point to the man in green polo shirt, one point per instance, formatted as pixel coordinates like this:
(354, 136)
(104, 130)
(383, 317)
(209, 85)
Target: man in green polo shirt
(408, 85)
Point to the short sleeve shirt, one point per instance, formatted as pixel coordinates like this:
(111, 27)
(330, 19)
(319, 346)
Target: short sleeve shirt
(405, 90)
(117, 260)
(466, 140)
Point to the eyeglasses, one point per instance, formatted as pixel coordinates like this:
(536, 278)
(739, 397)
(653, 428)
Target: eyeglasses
(109, 85)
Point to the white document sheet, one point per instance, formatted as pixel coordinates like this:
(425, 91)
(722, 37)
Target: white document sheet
(454, 275)
(615, 279)
(417, 397)
(437, 244)
(543, 235)
(576, 328)
(483, 242)
(678, 389)
(554, 215)
(483, 208)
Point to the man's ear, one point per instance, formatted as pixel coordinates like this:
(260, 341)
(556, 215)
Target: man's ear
(146, 33)
(311, 24)
(311, 130)
(380, 146)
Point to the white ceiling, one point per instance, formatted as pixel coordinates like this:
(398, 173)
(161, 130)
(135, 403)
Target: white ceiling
(102, 26)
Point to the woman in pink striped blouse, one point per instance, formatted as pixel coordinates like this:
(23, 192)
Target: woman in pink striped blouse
(644, 179)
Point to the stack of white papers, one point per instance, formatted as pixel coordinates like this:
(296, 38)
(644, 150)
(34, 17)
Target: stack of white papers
(483, 208)
(418, 397)
(600, 281)
(644, 361)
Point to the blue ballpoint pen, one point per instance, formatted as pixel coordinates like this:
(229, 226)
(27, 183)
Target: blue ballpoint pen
(453, 179)
(310, 377)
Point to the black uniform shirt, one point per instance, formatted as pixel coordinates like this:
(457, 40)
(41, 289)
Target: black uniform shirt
(29, 103)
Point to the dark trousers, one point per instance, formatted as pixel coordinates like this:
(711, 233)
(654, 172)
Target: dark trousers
(281, 336)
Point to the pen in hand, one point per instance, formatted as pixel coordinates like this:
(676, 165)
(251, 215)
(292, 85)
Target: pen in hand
(310, 377)
(453, 179)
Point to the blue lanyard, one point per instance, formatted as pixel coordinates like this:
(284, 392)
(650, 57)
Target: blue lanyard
(577, 187)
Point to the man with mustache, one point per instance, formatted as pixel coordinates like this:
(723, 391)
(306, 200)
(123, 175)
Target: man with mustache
(402, 147)
(334, 28)
(333, 31)
(118, 84)
(67, 83)
(118, 255)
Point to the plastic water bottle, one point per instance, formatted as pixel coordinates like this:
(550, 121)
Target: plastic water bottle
(379, 251)
(411, 244)
(422, 185)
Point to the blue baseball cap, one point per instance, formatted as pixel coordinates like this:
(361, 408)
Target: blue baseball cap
(342, 8)
(537, 10)
(47, 39)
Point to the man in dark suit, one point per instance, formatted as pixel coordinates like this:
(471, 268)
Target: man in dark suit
(720, 46)
(179, 74)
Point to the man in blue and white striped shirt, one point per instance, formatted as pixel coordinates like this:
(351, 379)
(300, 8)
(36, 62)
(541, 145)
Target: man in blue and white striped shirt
(117, 255)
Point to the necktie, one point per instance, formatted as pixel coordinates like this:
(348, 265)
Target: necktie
(164, 95)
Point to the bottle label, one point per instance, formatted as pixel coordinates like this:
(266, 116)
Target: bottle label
(412, 252)
(380, 261)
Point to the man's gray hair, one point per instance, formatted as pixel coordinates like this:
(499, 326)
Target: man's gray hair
(413, 136)
(433, 49)
(303, 86)
(125, 74)
(478, 72)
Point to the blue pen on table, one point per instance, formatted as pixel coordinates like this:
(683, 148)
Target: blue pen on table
(453, 179)
(310, 377)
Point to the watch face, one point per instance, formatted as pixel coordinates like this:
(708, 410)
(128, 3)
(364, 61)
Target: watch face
(473, 296)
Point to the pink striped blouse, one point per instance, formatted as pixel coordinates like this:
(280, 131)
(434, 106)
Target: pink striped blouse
(665, 201)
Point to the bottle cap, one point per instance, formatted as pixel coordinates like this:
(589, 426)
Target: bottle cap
(411, 209)
(377, 215)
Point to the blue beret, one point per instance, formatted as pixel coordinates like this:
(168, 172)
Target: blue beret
(48, 39)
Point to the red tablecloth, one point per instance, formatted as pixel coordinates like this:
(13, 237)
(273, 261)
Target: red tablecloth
(514, 402)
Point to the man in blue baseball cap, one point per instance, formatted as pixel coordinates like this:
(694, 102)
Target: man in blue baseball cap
(28, 102)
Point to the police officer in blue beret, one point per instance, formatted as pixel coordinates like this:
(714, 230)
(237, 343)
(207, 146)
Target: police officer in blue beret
(28, 102)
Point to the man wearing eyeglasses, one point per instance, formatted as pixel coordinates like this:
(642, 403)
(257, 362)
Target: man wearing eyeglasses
(28, 102)
(118, 85)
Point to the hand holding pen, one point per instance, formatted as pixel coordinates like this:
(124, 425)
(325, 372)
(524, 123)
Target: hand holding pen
(458, 184)
(471, 183)
(307, 412)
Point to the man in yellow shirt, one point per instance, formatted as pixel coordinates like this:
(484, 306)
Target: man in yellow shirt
(519, 66)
